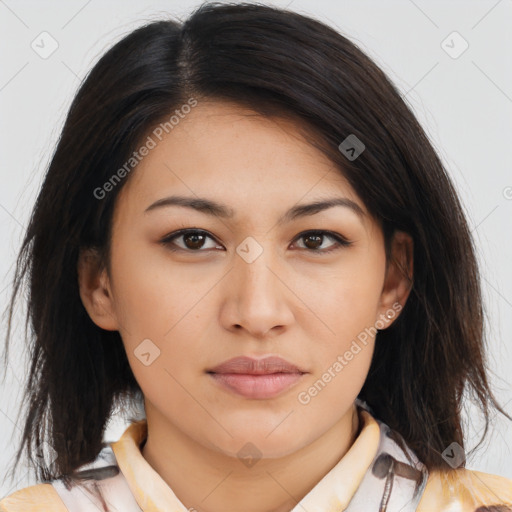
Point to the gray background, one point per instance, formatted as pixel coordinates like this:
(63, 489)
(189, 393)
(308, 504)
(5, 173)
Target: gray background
(464, 103)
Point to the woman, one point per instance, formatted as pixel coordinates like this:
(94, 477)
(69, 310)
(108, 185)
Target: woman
(244, 226)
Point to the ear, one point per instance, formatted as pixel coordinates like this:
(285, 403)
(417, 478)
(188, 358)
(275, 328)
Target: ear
(95, 290)
(398, 279)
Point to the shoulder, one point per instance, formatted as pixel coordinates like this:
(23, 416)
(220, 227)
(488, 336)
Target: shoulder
(466, 491)
(35, 498)
(87, 486)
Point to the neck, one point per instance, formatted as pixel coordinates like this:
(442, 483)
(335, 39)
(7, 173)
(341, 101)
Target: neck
(220, 482)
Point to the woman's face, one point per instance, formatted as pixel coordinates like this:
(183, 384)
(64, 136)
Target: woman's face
(246, 280)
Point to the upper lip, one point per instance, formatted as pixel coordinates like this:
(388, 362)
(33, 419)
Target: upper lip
(251, 366)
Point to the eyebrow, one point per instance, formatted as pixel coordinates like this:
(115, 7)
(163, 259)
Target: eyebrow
(219, 210)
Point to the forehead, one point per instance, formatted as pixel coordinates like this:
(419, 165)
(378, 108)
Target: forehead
(223, 150)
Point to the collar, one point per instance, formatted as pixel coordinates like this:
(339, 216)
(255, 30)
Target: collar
(333, 492)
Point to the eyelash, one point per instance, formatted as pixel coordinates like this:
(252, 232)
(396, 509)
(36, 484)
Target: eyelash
(340, 241)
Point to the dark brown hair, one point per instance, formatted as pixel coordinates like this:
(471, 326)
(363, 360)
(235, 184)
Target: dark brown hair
(277, 62)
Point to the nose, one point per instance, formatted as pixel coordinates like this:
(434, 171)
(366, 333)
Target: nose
(258, 298)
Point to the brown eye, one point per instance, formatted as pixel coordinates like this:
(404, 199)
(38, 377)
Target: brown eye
(192, 240)
(313, 241)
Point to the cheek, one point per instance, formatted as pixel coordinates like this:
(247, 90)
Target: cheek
(348, 308)
(348, 300)
(153, 295)
(159, 305)
(344, 352)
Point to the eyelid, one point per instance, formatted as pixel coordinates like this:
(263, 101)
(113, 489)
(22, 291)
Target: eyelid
(340, 240)
(167, 239)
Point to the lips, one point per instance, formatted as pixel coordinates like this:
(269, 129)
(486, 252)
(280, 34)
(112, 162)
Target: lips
(250, 366)
(256, 378)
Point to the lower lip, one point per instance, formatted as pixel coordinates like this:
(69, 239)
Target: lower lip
(257, 386)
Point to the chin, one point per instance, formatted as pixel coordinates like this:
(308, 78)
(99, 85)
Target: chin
(258, 443)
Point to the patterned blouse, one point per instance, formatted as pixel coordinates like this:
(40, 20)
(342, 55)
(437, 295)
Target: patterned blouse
(374, 475)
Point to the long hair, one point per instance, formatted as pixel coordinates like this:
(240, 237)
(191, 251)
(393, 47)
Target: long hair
(279, 63)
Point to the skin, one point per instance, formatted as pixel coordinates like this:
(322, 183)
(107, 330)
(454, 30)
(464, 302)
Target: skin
(204, 307)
